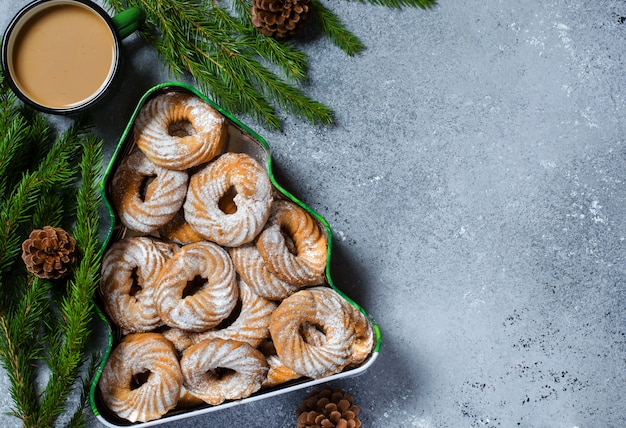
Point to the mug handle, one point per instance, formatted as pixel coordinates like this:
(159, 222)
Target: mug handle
(128, 21)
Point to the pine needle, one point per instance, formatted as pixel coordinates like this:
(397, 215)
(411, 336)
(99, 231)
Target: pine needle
(244, 71)
(79, 419)
(333, 28)
(19, 346)
(54, 171)
(24, 137)
(77, 307)
(221, 54)
(38, 331)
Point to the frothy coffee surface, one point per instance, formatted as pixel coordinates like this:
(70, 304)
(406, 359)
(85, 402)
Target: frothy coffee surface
(63, 55)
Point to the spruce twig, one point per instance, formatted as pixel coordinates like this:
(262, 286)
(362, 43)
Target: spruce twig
(38, 332)
(50, 208)
(216, 44)
(77, 308)
(19, 346)
(331, 25)
(24, 134)
(223, 55)
(54, 171)
(78, 419)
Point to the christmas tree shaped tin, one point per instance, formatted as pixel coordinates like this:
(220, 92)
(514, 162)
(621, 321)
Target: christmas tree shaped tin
(216, 288)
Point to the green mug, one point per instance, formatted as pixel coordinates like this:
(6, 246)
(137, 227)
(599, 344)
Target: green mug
(62, 56)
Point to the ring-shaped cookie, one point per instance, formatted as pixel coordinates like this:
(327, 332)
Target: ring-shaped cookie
(129, 270)
(216, 370)
(364, 336)
(236, 173)
(292, 245)
(251, 324)
(179, 231)
(278, 373)
(322, 308)
(197, 287)
(141, 379)
(146, 196)
(179, 130)
(252, 268)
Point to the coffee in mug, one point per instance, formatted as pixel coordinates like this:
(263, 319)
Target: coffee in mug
(61, 55)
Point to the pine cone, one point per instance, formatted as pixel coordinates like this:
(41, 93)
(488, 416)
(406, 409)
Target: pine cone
(279, 18)
(329, 408)
(48, 252)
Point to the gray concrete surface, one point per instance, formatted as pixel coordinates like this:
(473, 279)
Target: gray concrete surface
(474, 181)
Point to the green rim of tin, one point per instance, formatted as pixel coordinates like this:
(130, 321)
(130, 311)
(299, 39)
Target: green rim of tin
(109, 170)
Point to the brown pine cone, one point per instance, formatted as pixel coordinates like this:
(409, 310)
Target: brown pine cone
(48, 252)
(329, 408)
(279, 18)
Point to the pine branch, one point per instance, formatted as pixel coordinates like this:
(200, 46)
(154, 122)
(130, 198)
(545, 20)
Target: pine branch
(21, 342)
(242, 70)
(223, 54)
(50, 209)
(286, 96)
(35, 125)
(26, 304)
(33, 331)
(15, 133)
(21, 140)
(78, 419)
(333, 28)
(20, 347)
(68, 347)
(291, 62)
(54, 171)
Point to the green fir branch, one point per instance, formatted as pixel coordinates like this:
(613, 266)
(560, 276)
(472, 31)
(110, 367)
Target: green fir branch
(50, 209)
(217, 50)
(331, 25)
(22, 138)
(225, 56)
(24, 132)
(68, 347)
(20, 346)
(21, 325)
(38, 331)
(215, 43)
(54, 171)
(79, 419)
(291, 62)
(15, 133)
